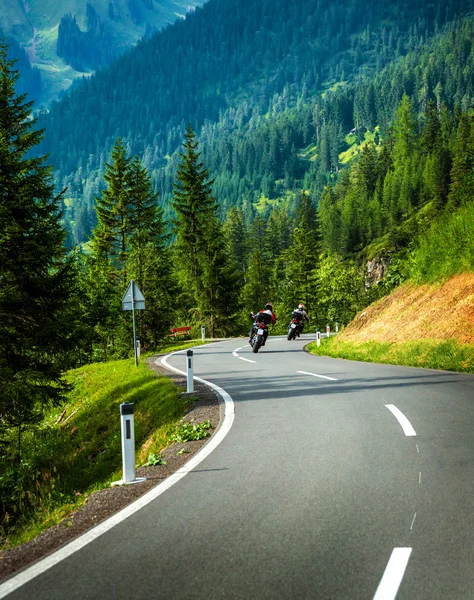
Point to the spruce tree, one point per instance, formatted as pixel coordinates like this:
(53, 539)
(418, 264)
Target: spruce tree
(113, 210)
(37, 277)
(194, 205)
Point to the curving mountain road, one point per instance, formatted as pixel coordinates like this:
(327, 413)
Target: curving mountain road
(337, 480)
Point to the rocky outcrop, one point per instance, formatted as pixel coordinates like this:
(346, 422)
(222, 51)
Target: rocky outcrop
(375, 270)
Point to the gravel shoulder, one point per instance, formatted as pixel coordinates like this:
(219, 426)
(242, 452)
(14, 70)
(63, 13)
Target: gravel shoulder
(104, 503)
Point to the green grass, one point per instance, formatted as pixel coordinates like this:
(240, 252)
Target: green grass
(447, 355)
(353, 149)
(67, 457)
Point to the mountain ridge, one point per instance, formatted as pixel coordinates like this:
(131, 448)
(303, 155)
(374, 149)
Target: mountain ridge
(114, 26)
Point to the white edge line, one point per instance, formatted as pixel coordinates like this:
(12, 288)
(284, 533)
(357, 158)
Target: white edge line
(393, 575)
(404, 422)
(315, 375)
(43, 565)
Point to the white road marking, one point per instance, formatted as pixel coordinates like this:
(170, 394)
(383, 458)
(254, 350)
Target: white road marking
(316, 375)
(393, 575)
(43, 565)
(241, 358)
(417, 449)
(419, 477)
(413, 522)
(404, 422)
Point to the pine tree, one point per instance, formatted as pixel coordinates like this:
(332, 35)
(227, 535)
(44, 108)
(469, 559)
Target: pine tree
(462, 185)
(37, 277)
(113, 211)
(193, 204)
(302, 256)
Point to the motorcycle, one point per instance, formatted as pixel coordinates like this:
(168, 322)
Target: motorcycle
(258, 336)
(294, 329)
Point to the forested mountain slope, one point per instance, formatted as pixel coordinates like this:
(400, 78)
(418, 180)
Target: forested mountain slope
(65, 39)
(227, 61)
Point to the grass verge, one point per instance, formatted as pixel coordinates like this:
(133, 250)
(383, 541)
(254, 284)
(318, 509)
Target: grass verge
(448, 355)
(76, 449)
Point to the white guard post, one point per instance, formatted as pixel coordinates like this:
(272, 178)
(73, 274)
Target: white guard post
(318, 338)
(328, 330)
(189, 364)
(203, 333)
(128, 445)
(337, 327)
(138, 347)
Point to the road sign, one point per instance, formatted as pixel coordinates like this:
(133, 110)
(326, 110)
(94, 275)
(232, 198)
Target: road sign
(133, 300)
(133, 294)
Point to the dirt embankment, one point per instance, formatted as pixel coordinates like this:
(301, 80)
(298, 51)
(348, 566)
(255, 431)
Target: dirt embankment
(444, 311)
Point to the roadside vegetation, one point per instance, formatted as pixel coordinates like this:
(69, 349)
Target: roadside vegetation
(76, 448)
(448, 355)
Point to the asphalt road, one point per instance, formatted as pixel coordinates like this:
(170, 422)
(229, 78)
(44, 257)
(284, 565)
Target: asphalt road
(320, 490)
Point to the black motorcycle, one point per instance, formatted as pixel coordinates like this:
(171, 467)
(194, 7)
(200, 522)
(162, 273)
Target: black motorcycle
(257, 339)
(294, 329)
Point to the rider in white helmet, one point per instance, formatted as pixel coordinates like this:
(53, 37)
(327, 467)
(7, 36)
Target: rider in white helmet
(300, 314)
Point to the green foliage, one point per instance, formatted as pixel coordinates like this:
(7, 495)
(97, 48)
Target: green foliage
(340, 290)
(188, 432)
(154, 460)
(446, 249)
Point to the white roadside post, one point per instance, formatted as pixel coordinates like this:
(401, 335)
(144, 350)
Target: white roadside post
(203, 333)
(138, 347)
(134, 300)
(189, 363)
(337, 327)
(318, 338)
(128, 445)
(328, 329)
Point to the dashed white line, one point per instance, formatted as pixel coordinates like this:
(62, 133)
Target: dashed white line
(247, 359)
(241, 357)
(316, 375)
(413, 522)
(404, 422)
(393, 575)
(417, 449)
(419, 477)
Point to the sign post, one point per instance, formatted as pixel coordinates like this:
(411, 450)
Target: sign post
(133, 300)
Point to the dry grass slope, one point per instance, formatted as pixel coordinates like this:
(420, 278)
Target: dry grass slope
(439, 312)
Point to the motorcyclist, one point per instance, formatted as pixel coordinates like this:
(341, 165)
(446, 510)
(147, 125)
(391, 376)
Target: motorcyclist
(267, 316)
(302, 316)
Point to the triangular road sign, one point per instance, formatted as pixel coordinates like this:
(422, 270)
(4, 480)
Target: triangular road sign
(133, 293)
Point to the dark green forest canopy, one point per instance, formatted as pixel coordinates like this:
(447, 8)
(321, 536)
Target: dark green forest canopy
(228, 66)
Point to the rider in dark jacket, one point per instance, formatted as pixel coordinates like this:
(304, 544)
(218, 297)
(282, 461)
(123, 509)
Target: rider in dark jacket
(300, 314)
(267, 316)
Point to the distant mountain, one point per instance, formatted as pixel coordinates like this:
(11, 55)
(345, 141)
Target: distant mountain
(65, 39)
